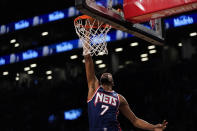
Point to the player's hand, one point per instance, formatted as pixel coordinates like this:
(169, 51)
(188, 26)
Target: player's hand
(161, 127)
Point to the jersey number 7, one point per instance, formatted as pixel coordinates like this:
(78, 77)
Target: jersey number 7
(105, 109)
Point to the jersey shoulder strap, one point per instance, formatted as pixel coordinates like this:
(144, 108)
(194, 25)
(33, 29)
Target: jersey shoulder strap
(88, 100)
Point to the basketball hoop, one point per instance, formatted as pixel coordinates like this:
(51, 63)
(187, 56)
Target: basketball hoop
(92, 34)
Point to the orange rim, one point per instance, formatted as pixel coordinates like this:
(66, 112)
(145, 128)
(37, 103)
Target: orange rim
(88, 17)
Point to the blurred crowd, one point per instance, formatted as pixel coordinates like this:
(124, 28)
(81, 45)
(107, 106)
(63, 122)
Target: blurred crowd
(155, 93)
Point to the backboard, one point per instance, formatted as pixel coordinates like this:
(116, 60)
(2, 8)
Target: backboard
(100, 11)
(141, 10)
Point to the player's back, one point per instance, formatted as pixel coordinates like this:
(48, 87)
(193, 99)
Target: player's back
(103, 111)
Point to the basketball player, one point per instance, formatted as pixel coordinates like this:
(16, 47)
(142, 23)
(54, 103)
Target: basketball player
(104, 104)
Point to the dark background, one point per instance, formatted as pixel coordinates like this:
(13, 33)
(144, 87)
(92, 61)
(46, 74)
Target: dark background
(162, 88)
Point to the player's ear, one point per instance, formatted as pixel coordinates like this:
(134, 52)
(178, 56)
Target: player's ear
(113, 83)
(111, 79)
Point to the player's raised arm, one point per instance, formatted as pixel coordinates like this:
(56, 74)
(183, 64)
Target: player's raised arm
(89, 66)
(137, 122)
(90, 72)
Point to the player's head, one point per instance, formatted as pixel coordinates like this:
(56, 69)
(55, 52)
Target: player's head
(106, 79)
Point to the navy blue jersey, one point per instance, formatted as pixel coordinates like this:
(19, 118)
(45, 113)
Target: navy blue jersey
(103, 111)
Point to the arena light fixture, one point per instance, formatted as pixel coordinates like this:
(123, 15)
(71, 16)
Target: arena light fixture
(73, 57)
(49, 77)
(45, 33)
(102, 65)
(33, 65)
(120, 66)
(118, 49)
(152, 51)
(30, 72)
(48, 72)
(26, 68)
(180, 44)
(100, 53)
(143, 55)
(13, 41)
(134, 44)
(17, 74)
(17, 78)
(151, 47)
(98, 61)
(128, 62)
(144, 59)
(16, 45)
(193, 34)
(83, 61)
(5, 73)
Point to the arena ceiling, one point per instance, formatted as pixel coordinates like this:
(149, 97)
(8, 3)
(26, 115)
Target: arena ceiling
(13, 10)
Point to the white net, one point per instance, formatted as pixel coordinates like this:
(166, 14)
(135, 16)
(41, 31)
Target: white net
(92, 34)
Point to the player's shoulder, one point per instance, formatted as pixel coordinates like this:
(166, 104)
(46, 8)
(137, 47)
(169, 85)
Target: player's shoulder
(122, 99)
(120, 96)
